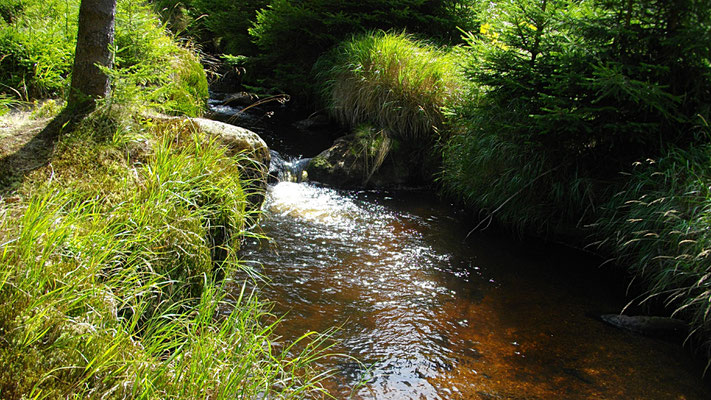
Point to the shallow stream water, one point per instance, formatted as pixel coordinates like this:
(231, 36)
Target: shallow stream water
(432, 314)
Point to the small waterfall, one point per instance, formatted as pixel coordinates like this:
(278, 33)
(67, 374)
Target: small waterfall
(287, 170)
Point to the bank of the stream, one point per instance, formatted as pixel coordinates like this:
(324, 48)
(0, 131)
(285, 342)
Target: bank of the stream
(114, 257)
(119, 234)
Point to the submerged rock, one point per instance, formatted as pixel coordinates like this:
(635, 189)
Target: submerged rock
(314, 122)
(646, 325)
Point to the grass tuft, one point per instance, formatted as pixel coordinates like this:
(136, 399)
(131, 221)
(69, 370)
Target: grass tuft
(109, 283)
(658, 225)
(391, 81)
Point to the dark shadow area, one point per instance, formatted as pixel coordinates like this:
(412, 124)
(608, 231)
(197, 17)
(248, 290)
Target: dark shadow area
(36, 152)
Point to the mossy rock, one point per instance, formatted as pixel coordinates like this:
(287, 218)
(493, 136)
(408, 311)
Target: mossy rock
(348, 164)
(236, 140)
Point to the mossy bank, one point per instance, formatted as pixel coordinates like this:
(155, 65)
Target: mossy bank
(119, 237)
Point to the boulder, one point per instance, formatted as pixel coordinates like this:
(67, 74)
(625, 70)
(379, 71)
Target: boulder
(346, 165)
(240, 140)
(235, 139)
(337, 165)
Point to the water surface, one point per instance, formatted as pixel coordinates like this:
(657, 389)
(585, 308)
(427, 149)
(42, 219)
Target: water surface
(432, 314)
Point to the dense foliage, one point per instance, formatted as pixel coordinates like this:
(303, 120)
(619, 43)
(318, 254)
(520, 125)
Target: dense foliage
(221, 26)
(592, 79)
(291, 35)
(37, 41)
(578, 90)
(285, 37)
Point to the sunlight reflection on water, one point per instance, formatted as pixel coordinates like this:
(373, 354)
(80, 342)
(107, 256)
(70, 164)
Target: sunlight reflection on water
(435, 316)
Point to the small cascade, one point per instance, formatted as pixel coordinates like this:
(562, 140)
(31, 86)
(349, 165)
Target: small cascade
(287, 170)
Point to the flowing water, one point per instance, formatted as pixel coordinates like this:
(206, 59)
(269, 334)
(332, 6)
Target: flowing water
(432, 315)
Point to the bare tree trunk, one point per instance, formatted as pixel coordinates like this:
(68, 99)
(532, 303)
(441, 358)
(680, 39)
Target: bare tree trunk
(94, 39)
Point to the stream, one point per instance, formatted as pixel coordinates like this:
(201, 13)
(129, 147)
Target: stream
(432, 313)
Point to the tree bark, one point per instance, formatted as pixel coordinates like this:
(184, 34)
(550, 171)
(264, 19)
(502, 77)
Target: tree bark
(94, 40)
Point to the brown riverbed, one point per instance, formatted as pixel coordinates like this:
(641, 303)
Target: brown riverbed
(432, 314)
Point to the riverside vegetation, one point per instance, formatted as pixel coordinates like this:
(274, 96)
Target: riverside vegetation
(584, 120)
(116, 255)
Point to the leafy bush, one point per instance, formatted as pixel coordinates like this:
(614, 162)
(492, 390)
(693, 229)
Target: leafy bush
(592, 79)
(572, 92)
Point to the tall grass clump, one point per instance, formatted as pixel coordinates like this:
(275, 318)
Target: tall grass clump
(658, 227)
(517, 184)
(109, 280)
(392, 81)
(38, 39)
(290, 36)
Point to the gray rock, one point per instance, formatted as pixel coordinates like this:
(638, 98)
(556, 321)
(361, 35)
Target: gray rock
(235, 139)
(337, 165)
(240, 140)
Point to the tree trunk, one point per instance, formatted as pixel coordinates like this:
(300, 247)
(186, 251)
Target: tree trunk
(94, 40)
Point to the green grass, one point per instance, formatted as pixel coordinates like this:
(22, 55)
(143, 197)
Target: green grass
(391, 81)
(108, 281)
(658, 227)
(37, 45)
(517, 184)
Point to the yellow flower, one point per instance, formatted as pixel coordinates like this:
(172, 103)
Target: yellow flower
(528, 25)
(485, 28)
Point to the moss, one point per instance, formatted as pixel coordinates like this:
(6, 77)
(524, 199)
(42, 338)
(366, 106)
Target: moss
(189, 93)
(107, 267)
(319, 163)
